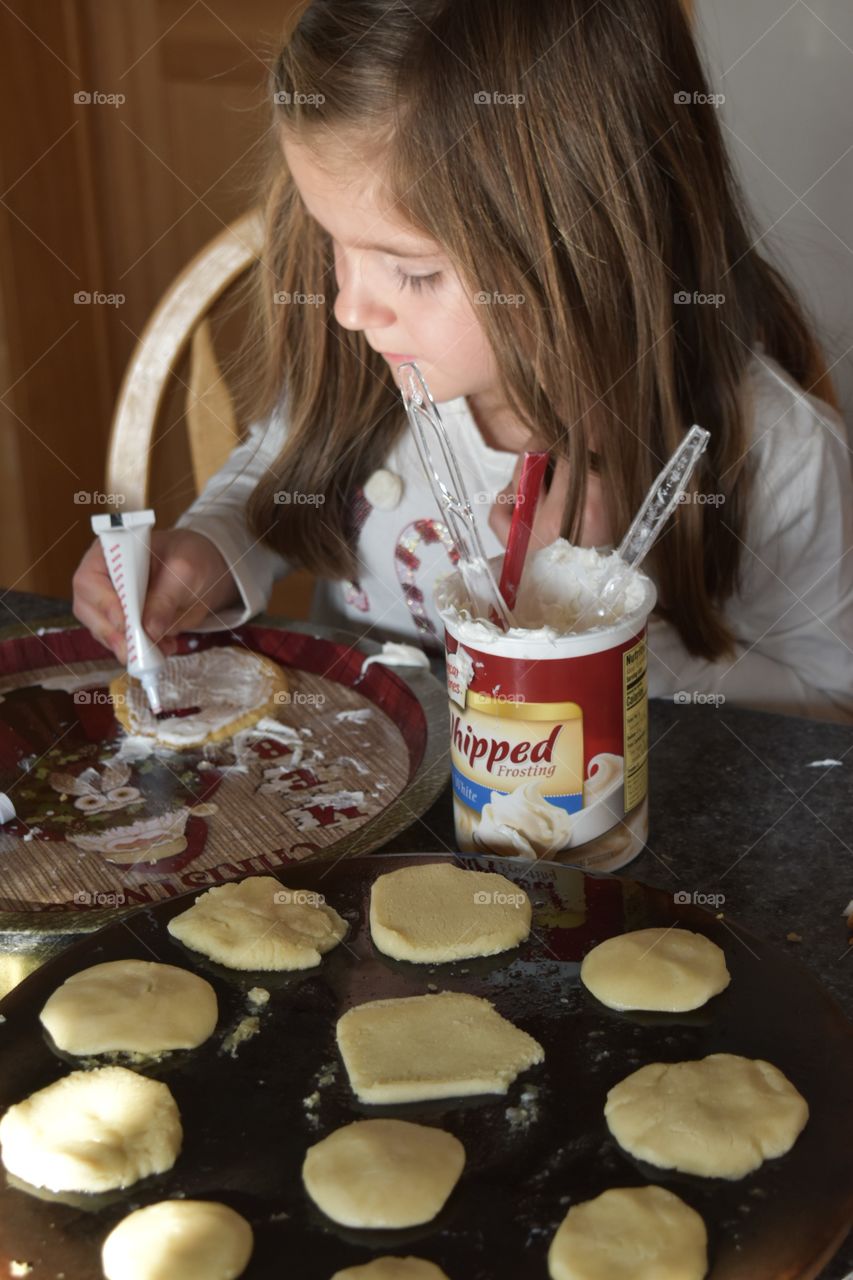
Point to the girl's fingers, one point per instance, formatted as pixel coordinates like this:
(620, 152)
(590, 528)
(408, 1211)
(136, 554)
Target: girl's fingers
(171, 605)
(101, 629)
(95, 602)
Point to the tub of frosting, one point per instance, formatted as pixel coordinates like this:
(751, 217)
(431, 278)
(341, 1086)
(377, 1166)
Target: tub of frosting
(549, 720)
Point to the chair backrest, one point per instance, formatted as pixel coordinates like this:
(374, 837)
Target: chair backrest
(179, 322)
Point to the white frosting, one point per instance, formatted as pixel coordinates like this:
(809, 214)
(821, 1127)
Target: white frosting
(602, 798)
(604, 776)
(384, 489)
(523, 823)
(559, 596)
(350, 762)
(69, 681)
(267, 727)
(224, 683)
(398, 655)
(133, 747)
(359, 716)
(336, 800)
(526, 823)
(465, 667)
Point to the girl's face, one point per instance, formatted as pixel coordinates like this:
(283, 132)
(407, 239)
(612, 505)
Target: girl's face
(394, 284)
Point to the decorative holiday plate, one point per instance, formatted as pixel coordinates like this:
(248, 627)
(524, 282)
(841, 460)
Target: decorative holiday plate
(352, 753)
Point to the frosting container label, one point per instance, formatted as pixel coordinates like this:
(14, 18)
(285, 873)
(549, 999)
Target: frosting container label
(549, 755)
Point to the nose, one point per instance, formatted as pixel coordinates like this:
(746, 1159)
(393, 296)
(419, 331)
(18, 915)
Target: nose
(356, 305)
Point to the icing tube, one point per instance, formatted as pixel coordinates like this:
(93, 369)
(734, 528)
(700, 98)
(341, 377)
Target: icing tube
(126, 540)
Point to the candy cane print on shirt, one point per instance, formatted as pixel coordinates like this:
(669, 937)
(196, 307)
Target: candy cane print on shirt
(407, 561)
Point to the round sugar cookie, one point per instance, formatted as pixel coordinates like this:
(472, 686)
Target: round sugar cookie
(92, 1131)
(130, 1006)
(720, 1116)
(670, 970)
(436, 913)
(224, 689)
(383, 1173)
(630, 1233)
(185, 1239)
(392, 1269)
(259, 924)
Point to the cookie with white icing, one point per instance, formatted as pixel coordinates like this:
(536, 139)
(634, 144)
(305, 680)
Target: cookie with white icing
(214, 692)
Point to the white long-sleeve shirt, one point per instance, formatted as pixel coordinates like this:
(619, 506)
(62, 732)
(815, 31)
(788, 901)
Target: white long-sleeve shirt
(792, 617)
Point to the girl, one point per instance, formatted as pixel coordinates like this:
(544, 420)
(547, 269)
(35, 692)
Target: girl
(533, 202)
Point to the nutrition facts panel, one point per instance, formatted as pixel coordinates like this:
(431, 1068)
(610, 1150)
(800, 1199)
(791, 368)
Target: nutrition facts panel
(636, 723)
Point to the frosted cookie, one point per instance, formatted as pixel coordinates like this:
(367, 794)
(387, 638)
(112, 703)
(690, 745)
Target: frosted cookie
(438, 1046)
(225, 689)
(392, 1269)
(630, 1233)
(435, 913)
(720, 1116)
(130, 1006)
(259, 924)
(671, 970)
(92, 1131)
(383, 1173)
(190, 1239)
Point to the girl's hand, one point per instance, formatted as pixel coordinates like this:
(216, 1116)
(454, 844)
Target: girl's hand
(548, 520)
(188, 580)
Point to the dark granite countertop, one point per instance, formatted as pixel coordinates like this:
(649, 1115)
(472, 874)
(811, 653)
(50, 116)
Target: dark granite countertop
(742, 804)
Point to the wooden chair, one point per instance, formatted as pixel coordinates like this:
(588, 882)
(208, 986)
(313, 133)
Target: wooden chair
(179, 324)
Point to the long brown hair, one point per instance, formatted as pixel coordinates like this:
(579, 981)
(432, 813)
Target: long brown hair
(573, 156)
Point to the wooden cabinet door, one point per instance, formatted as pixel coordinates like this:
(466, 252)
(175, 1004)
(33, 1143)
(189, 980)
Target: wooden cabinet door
(135, 129)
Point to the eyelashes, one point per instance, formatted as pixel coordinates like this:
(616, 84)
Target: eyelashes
(416, 283)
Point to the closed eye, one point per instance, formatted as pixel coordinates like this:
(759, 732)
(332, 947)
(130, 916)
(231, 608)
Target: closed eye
(417, 282)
